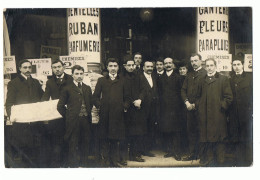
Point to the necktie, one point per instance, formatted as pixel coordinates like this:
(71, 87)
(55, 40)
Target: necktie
(79, 85)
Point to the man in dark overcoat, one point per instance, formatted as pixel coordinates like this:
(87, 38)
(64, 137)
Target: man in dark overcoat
(146, 103)
(188, 94)
(78, 98)
(22, 90)
(111, 96)
(170, 123)
(213, 100)
(55, 129)
(241, 112)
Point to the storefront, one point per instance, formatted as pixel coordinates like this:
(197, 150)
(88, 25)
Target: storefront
(154, 32)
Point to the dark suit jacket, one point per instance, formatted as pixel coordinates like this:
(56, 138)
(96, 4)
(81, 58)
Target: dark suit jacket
(72, 97)
(170, 103)
(189, 87)
(112, 97)
(241, 109)
(53, 89)
(148, 113)
(20, 91)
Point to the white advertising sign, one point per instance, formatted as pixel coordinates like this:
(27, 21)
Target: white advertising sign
(70, 61)
(40, 111)
(212, 31)
(248, 63)
(41, 67)
(224, 62)
(84, 33)
(9, 65)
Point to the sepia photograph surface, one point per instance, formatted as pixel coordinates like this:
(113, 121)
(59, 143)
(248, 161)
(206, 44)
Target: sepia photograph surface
(128, 87)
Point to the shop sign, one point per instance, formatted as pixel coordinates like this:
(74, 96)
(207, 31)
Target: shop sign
(9, 65)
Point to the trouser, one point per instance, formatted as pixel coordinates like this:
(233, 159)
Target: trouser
(149, 139)
(136, 146)
(244, 153)
(172, 142)
(192, 133)
(78, 143)
(25, 144)
(212, 152)
(112, 151)
(54, 135)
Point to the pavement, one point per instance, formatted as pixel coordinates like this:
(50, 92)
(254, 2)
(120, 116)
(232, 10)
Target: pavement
(160, 161)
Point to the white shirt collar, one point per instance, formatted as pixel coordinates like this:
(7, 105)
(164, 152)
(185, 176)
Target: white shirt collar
(169, 72)
(60, 76)
(239, 73)
(112, 76)
(198, 69)
(213, 74)
(161, 72)
(24, 76)
(147, 75)
(75, 82)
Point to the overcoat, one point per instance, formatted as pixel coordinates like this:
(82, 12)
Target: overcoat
(170, 103)
(190, 84)
(22, 91)
(53, 87)
(112, 97)
(72, 97)
(241, 109)
(214, 98)
(137, 119)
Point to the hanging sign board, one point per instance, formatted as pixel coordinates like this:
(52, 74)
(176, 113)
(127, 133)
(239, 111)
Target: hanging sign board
(41, 67)
(224, 62)
(9, 65)
(70, 61)
(84, 33)
(243, 48)
(212, 31)
(248, 63)
(50, 52)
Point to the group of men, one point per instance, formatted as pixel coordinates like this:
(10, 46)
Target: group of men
(140, 108)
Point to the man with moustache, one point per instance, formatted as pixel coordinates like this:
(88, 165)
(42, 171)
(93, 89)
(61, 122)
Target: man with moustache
(214, 97)
(188, 94)
(23, 90)
(241, 112)
(55, 129)
(138, 62)
(77, 96)
(146, 104)
(112, 97)
(170, 123)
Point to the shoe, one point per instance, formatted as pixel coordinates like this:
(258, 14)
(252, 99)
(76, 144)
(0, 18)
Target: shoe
(137, 159)
(114, 164)
(203, 162)
(189, 158)
(177, 157)
(149, 154)
(168, 155)
(122, 163)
